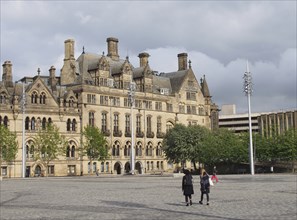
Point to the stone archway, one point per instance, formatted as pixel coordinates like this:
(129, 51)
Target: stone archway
(138, 167)
(127, 167)
(117, 168)
(37, 171)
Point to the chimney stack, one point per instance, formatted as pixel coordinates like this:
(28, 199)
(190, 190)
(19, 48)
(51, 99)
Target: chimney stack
(112, 48)
(69, 49)
(143, 58)
(7, 74)
(52, 79)
(182, 61)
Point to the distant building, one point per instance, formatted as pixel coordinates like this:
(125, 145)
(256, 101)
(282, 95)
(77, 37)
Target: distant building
(94, 90)
(262, 122)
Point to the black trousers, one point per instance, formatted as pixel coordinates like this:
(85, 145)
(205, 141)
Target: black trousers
(187, 197)
(207, 196)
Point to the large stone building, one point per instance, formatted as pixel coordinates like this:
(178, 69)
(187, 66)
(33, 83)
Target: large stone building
(96, 90)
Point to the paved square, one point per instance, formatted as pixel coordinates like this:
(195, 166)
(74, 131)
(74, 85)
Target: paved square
(239, 197)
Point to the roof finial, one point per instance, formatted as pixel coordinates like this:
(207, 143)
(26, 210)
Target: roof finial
(102, 53)
(38, 71)
(83, 50)
(190, 66)
(127, 58)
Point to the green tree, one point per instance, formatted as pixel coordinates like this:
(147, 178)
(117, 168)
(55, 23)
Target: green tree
(8, 146)
(49, 144)
(175, 144)
(95, 145)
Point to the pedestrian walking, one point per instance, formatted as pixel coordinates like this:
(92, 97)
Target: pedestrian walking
(214, 174)
(204, 187)
(187, 187)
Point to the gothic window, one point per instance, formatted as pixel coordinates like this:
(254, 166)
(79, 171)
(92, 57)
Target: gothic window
(71, 101)
(73, 125)
(159, 149)
(169, 125)
(68, 151)
(149, 149)
(116, 149)
(73, 151)
(34, 97)
(30, 149)
(43, 123)
(5, 121)
(102, 167)
(50, 121)
(138, 149)
(92, 119)
(27, 122)
(127, 149)
(42, 98)
(33, 124)
(68, 124)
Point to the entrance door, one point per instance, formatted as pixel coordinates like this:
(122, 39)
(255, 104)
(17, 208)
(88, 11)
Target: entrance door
(37, 170)
(28, 171)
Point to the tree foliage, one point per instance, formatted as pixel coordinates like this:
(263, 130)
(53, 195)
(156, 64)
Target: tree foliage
(49, 144)
(8, 145)
(95, 144)
(198, 144)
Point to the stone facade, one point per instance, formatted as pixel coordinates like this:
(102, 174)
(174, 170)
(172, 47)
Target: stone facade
(95, 89)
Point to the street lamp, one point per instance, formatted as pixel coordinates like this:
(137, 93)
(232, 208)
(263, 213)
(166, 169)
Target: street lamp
(23, 130)
(131, 97)
(248, 91)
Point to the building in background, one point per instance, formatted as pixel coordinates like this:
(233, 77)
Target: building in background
(93, 90)
(263, 122)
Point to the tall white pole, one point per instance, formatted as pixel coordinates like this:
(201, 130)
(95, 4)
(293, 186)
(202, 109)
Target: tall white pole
(131, 99)
(23, 133)
(248, 91)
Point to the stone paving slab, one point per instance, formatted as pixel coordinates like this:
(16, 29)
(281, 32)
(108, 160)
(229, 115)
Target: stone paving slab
(235, 197)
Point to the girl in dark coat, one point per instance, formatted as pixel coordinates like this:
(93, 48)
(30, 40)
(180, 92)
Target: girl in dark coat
(187, 187)
(204, 183)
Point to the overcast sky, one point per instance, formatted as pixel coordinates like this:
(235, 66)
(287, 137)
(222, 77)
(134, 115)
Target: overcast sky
(219, 37)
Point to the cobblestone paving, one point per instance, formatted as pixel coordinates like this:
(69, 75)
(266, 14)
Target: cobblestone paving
(235, 197)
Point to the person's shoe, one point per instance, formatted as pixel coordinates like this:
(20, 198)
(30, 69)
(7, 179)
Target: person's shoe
(187, 204)
(191, 202)
(207, 203)
(200, 202)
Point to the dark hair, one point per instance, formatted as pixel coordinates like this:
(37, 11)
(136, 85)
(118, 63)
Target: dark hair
(186, 172)
(204, 173)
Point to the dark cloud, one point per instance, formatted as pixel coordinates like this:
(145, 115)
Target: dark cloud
(219, 37)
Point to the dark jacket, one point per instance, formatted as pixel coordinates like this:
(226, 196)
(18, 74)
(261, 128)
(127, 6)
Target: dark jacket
(186, 186)
(204, 184)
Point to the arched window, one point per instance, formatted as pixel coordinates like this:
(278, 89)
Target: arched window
(107, 167)
(102, 167)
(68, 126)
(34, 97)
(50, 121)
(169, 125)
(43, 123)
(159, 149)
(27, 151)
(149, 149)
(5, 121)
(94, 167)
(33, 124)
(138, 149)
(116, 149)
(127, 149)
(73, 125)
(68, 151)
(27, 122)
(42, 98)
(73, 151)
